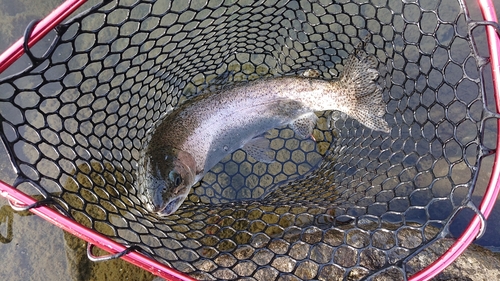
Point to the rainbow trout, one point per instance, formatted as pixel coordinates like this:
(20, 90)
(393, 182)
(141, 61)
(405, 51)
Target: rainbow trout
(197, 135)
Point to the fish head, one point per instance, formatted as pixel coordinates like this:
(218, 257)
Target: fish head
(166, 175)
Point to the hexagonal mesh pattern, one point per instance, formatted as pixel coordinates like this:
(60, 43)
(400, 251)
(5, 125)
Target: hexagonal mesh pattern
(356, 203)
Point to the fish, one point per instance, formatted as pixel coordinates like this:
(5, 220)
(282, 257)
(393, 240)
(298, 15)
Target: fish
(195, 136)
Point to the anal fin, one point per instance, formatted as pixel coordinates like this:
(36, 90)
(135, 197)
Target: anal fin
(259, 148)
(304, 125)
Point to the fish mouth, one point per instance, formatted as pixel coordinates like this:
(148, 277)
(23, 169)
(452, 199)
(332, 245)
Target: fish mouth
(171, 206)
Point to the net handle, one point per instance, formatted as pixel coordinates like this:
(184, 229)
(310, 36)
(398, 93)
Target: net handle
(491, 193)
(91, 236)
(57, 16)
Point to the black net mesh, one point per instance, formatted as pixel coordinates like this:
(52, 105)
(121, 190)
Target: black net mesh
(356, 203)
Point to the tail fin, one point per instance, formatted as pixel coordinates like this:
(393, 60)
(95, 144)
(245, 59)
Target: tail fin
(359, 75)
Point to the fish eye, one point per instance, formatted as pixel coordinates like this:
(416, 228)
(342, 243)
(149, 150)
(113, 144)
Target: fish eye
(175, 178)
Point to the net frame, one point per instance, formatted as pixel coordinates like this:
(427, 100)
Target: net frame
(19, 199)
(476, 226)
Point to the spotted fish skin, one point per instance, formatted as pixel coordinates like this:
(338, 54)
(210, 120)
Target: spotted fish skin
(197, 135)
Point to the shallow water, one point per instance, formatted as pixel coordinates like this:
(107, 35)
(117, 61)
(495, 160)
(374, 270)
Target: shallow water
(33, 249)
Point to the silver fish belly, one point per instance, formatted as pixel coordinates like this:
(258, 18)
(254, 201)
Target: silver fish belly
(196, 136)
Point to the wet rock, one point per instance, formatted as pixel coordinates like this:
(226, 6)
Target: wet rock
(476, 263)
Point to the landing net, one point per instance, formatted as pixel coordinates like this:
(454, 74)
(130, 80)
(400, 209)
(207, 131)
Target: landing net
(354, 204)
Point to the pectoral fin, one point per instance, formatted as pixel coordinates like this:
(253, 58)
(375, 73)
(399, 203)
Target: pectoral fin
(259, 148)
(304, 125)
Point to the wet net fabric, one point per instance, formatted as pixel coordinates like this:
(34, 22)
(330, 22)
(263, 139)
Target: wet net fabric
(353, 204)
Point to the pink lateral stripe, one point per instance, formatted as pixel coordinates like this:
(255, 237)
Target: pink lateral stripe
(15, 51)
(91, 236)
(491, 194)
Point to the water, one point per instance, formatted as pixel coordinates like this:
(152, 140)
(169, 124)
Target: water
(33, 249)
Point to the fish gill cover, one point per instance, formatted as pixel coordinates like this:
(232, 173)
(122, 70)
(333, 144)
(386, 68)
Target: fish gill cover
(353, 204)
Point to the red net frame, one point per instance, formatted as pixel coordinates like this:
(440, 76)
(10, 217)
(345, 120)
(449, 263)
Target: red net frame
(20, 199)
